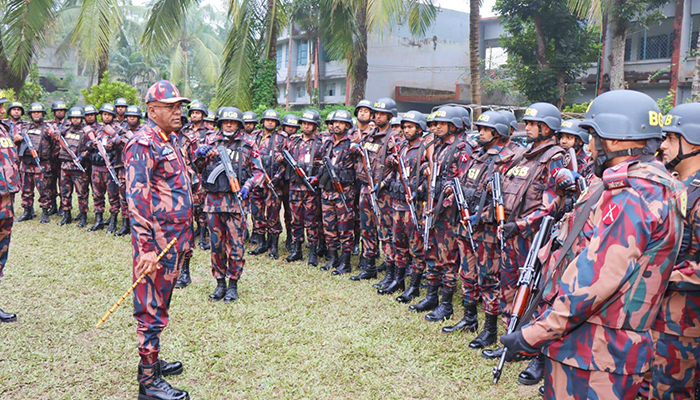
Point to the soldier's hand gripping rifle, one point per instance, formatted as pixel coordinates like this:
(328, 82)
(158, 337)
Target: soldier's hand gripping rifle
(434, 171)
(299, 171)
(463, 211)
(499, 208)
(103, 153)
(32, 151)
(370, 181)
(266, 178)
(406, 187)
(528, 282)
(70, 152)
(231, 175)
(580, 180)
(336, 181)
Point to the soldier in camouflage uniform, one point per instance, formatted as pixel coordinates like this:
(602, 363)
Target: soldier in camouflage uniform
(264, 205)
(290, 126)
(15, 111)
(9, 185)
(451, 155)
(120, 106)
(42, 137)
(60, 123)
(572, 136)
(72, 178)
(160, 206)
(133, 125)
(306, 151)
(676, 330)
(197, 132)
(90, 112)
(250, 122)
(209, 120)
(222, 202)
(338, 216)
(624, 237)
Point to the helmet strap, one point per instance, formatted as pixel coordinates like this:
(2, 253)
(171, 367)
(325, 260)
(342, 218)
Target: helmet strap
(680, 156)
(604, 157)
(540, 137)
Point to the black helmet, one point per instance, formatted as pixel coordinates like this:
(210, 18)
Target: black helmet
(386, 105)
(395, 121)
(449, 114)
(683, 120)
(417, 118)
(311, 116)
(571, 127)
(121, 102)
(58, 106)
(15, 104)
(429, 119)
(210, 117)
(108, 108)
(133, 111)
(90, 109)
(37, 107)
(272, 115)
(230, 114)
(250, 117)
(329, 117)
(624, 115)
(76, 112)
(218, 113)
(544, 112)
(363, 103)
(197, 106)
(496, 121)
(510, 117)
(290, 120)
(342, 115)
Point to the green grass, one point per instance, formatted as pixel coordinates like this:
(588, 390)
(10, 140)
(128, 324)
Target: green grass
(296, 333)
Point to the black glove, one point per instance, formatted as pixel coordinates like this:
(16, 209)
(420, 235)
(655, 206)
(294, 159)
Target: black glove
(510, 229)
(517, 348)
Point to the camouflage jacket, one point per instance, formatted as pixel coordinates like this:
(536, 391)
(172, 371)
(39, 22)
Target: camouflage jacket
(338, 152)
(157, 191)
(611, 291)
(76, 139)
(307, 154)
(415, 160)
(10, 182)
(452, 156)
(269, 147)
(43, 138)
(379, 145)
(199, 134)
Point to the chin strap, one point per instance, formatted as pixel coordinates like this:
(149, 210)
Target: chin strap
(604, 157)
(540, 137)
(680, 157)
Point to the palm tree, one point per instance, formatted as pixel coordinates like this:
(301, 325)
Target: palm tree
(474, 59)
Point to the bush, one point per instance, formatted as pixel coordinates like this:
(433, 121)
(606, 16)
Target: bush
(576, 108)
(107, 92)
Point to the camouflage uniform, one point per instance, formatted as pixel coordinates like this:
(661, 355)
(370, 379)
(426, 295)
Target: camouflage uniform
(304, 203)
(71, 176)
(197, 137)
(337, 221)
(42, 136)
(101, 180)
(127, 134)
(9, 185)
(264, 206)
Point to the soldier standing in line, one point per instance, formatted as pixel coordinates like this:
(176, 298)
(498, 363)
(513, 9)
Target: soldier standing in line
(90, 112)
(120, 106)
(596, 336)
(41, 135)
(223, 203)
(250, 123)
(160, 206)
(15, 111)
(72, 178)
(60, 123)
(209, 120)
(363, 114)
(133, 122)
(9, 185)
(290, 126)
(306, 151)
(572, 136)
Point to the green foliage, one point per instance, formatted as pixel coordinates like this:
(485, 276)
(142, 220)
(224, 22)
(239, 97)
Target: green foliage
(576, 108)
(8, 93)
(264, 87)
(107, 92)
(32, 90)
(666, 103)
(645, 12)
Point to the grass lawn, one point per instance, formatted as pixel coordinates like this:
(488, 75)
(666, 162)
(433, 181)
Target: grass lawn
(296, 333)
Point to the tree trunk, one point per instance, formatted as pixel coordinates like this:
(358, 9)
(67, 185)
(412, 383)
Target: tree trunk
(317, 84)
(541, 52)
(618, 29)
(359, 73)
(272, 38)
(601, 66)
(102, 66)
(676, 55)
(561, 86)
(695, 90)
(474, 59)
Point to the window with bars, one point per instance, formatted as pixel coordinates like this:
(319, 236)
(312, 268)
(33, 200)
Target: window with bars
(301, 91)
(303, 53)
(694, 40)
(628, 49)
(329, 89)
(281, 56)
(342, 88)
(655, 47)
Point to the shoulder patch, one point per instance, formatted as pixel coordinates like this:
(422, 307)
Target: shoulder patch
(616, 177)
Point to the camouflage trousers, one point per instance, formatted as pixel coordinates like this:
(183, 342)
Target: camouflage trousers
(512, 258)
(227, 249)
(266, 212)
(304, 213)
(674, 369)
(70, 180)
(102, 183)
(407, 242)
(5, 235)
(479, 272)
(286, 204)
(565, 382)
(370, 234)
(54, 180)
(337, 221)
(444, 241)
(152, 301)
(121, 174)
(33, 178)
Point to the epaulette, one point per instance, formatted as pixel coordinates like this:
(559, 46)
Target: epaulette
(616, 177)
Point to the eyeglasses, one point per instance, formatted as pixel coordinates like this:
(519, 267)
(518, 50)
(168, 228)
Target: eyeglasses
(171, 107)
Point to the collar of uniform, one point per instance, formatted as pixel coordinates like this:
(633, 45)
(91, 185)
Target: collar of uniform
(158, 132)
(540, 146)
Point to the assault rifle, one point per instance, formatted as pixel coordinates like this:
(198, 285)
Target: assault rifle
(528, 283)
(434, 170)
(71, 153)
(231, 175)
(266, 179)
(406, 187)
(103, 153)
(32, 150)
(499, 208)
(581, 181)
(463, 211)
(336, 181)
(370, 181)
(299, 171)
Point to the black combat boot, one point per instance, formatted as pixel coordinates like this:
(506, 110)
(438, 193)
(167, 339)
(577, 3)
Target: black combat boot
(382, 267)
(322, 249)
(28, 214)
(444, 310)
(232, 291)
(397, 283)
(313, 257)
(413, 290)
(126, 227)
(387, 278)
(487, 337)
(534, 372)
(288, 242)
(369, 272)
(469, 323)
(296, 253)
(53, 208)
(356, 249)
(45, 216)
(274, 240)
(344, 266)
(261, 248)
(333, 260)
(362, 265)
(170, 368)
(7, 317)
(220, 290)
(99, 222)
(67, 218)
(82, 220)
(255, 239)
(112, 223)
(204, 239)
(492, 354)
(429, 302)
(184, 279)
(152, 386)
